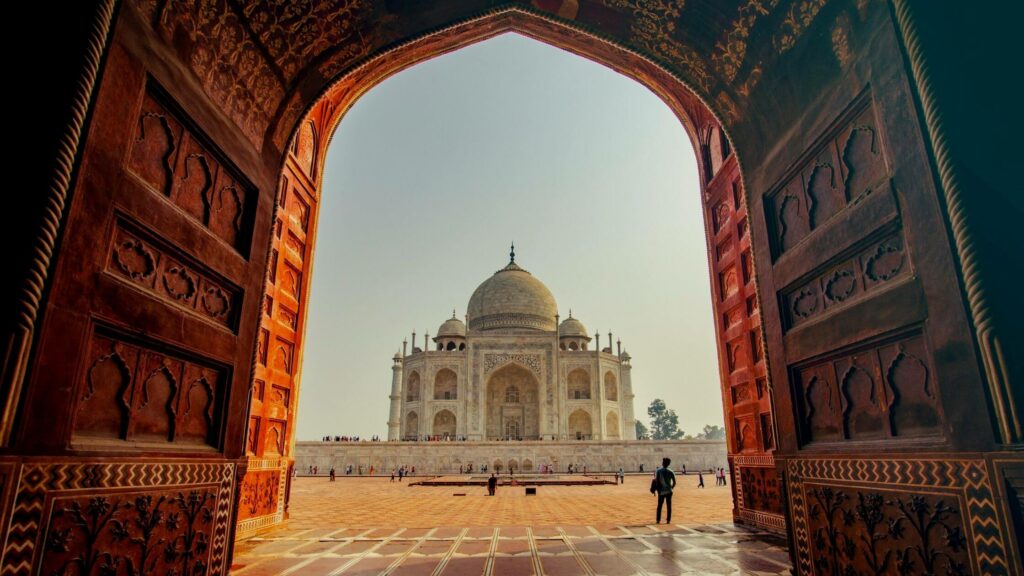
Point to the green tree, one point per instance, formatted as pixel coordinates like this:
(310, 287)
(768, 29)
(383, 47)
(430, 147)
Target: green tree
(641, 431)
(664, 422)
(712, 432)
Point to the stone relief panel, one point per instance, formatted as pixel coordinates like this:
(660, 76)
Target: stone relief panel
(295, 246)
(886, 516)
(728, 282)
(288, 317)
(741, 393)
(170, 275)
(746, 434)
(133, 392)
(725, 249)
(732, 318)
(258, 494)
(171, 158)
(880, 532)
(736, 355)
(276, 438)
(761, 489)
(849, 280)
(291, 281)
(282, 356)
(531, 361)
(160, 532)
(848, 165)
(120, 517)
(880, 392)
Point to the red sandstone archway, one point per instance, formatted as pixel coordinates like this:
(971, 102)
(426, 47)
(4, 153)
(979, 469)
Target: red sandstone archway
(148, 276)
(728, 231)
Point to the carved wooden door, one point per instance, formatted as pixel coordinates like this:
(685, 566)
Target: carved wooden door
(136, 401)
(877, 390)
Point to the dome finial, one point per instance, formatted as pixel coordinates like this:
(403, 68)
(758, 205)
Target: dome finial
(512, 254)
(453, 313)
(570, 312)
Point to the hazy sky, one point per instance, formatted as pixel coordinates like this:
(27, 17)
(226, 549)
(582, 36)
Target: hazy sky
(435, 171)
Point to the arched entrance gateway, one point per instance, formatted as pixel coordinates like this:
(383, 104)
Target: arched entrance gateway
(513, 404)
(862, 384)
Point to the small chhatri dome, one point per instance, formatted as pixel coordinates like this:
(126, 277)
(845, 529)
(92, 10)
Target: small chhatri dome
(452, 327)
(512, 298)
(572, 327)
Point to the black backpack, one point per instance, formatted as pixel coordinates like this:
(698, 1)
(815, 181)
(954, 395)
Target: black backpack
(654, 484)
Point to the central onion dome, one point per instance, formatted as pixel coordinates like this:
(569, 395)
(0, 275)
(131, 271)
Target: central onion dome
(512, 298)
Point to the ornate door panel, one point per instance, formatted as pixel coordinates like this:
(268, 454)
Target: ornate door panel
(134, 407)
(271, 427)
(874, 368)
(750, 431)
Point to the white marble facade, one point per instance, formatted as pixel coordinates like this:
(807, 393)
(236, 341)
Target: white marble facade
(515, 372)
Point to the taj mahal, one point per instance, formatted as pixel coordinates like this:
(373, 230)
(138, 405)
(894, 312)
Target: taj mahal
(512, 371)
(511, 387)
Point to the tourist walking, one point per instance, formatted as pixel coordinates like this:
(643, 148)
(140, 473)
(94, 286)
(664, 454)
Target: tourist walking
(401, 473)
(492, 484)
(392, 474)
(724, 481)
(700, 479)
(622, 476)
(666, 482)
(332, 473)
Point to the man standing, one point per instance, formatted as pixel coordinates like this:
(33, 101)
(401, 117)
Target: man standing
(666, 483)
(332, 473)
(622, 476)
(492, 484)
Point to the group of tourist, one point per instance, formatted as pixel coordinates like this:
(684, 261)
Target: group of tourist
(435, 438)
(374, 438)
(402, 472)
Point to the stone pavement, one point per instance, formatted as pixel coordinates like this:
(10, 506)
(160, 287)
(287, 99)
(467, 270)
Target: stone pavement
(369, 526)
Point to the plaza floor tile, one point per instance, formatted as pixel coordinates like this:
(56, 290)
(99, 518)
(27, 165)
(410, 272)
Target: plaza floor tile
(361, 526)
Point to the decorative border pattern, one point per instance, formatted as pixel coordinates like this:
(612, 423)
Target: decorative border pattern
(753, 459)
(993, 357)
(774, 522)
(39, 480)
(968, 480)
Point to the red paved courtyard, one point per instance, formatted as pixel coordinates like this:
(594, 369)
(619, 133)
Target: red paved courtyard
(372, 526)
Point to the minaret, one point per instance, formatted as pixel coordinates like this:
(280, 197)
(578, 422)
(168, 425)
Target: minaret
(625, 375)
(395, 417)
